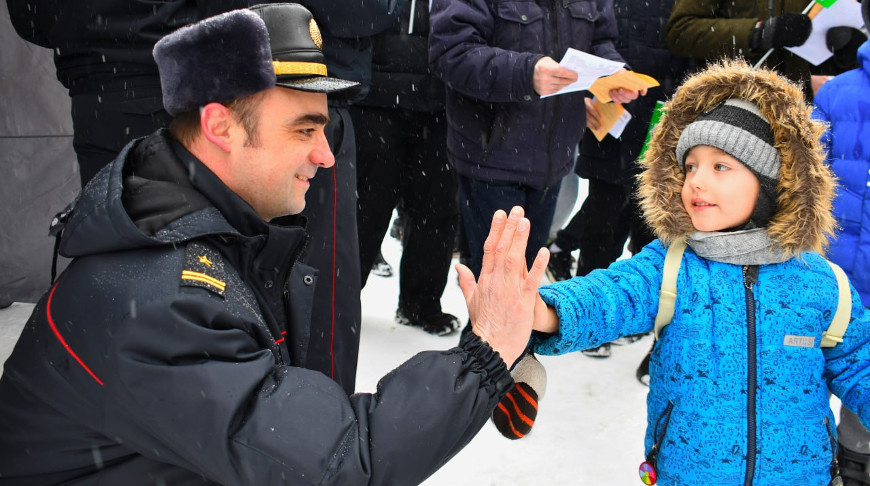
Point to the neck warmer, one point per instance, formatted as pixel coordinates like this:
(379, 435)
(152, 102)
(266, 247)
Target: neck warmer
(746, 247)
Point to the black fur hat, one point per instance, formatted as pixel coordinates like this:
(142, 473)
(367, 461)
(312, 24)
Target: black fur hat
(240, 53)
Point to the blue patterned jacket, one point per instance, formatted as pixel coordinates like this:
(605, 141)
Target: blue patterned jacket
(738, 383)
(733, 385)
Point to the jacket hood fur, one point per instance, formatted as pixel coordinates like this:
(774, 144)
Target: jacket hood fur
(805, 190)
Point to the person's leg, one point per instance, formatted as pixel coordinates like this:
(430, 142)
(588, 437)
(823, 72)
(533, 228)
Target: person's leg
(333, 249)
(603, 218)
(569, 188)
(854, 453)
(479, 200)
(104, 122)
(431, 215)
(380, 156)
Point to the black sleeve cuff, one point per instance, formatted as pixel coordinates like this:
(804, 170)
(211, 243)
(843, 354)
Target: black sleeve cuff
(487, 362)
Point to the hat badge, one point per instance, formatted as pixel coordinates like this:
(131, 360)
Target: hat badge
(315, 34)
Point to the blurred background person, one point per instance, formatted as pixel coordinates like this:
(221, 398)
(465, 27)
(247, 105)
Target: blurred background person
(401, 135)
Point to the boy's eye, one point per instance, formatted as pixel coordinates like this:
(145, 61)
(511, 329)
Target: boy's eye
(721, 167)
(690, 167)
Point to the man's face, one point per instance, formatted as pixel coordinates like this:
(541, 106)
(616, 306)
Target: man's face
(272, 174)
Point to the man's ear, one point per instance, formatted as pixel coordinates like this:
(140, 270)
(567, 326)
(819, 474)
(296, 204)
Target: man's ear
(216, 120)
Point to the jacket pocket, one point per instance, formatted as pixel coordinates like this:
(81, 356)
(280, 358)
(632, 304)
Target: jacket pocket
(519, 26)
(584, 10)
(584, 14)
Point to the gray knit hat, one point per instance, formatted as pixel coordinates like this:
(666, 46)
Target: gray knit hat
(738, 128)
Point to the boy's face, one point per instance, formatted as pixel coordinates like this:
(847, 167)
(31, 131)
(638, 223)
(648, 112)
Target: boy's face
(719, 192)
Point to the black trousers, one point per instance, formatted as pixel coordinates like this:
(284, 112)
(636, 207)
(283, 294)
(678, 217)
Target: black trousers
(599, 228)
(103, 122)
(330, 206)
(401, 156)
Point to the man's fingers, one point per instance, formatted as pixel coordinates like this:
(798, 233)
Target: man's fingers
(566, 75)
(466, 282)
(489, 246)
(502, 251)
(539, 266)
(516, 257)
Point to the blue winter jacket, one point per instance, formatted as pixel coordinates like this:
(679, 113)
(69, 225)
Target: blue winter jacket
(843, 102)
(485, 51)
(738, 383)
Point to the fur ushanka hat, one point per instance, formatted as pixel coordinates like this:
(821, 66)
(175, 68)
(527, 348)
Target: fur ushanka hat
(243, 52)
(802, 220)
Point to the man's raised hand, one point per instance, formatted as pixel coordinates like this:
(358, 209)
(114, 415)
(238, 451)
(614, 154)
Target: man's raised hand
(501, 304)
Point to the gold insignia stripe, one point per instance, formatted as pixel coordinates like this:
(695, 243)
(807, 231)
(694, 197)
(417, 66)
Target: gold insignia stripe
(285, 67)
(201, 277)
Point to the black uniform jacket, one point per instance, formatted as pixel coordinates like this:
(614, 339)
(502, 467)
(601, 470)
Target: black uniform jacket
(171, 351)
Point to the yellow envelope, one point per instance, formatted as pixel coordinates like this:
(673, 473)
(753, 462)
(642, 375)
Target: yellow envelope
(623, 79)
(610, 113)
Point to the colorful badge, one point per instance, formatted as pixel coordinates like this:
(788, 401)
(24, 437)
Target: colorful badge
(647, 473)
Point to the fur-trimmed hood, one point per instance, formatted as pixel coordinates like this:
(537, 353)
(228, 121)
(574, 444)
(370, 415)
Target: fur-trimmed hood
(805, 190)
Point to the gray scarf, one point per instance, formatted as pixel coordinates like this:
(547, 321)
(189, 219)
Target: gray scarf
(746, 247)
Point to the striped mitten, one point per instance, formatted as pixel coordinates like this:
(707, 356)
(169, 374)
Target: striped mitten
(516, 412)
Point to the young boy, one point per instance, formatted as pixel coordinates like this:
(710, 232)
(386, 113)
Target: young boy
(738, 382)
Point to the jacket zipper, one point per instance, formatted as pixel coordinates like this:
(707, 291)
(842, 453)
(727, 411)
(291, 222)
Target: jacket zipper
(557, 48)
(664, 419)
(750, 277)
(836, 480)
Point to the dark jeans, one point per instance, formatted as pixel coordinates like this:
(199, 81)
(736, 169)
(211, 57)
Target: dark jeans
(104, 122)
(479, 200)
(401, 156)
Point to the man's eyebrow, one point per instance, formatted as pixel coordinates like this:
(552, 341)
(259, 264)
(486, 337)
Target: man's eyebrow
(310, 118)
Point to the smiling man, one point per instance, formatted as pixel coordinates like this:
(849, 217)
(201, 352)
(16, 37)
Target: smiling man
(173, 349)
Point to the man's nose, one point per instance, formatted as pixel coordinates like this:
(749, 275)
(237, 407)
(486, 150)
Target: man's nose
(322, 155)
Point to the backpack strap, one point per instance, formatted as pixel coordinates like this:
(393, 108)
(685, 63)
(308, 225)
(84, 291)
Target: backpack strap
(668, 291)
(835, 332)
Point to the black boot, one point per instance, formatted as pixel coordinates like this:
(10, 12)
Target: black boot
(854, 467)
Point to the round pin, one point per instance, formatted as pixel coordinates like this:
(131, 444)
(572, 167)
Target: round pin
(647, 473)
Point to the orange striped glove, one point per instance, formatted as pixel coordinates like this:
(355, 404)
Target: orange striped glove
(516, 412)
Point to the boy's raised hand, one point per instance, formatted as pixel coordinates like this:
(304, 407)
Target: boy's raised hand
(501, 303)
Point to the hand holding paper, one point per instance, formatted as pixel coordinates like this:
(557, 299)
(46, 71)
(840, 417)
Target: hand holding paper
(550, 77)
(606, 118)
(593, 70)
(631, 80)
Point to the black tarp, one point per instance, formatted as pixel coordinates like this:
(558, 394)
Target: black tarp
(39, 171)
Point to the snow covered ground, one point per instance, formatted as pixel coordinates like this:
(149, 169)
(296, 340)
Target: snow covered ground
(590, 425)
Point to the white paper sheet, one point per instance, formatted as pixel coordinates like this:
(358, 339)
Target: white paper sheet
(588, 69)
(841, 13)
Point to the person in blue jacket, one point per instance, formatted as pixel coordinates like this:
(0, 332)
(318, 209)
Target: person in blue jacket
(738, 380)
(844, 104)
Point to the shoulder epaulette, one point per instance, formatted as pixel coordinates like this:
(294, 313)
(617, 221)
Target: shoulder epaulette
(204, 267)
